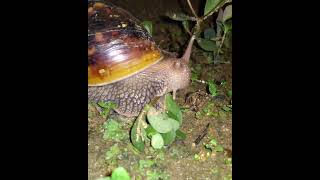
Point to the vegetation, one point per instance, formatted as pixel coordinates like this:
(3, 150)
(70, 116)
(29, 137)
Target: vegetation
(212, 38)
(158, 127)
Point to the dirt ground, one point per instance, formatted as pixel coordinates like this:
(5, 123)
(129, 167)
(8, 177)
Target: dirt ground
(183, 159)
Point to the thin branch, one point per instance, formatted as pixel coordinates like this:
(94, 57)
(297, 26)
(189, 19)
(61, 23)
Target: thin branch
(194, 13)
(222, 41)
(202, 135)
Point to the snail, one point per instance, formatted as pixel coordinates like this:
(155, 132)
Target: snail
(125, 65)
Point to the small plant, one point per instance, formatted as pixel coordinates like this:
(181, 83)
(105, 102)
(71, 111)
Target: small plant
(228, 161)
(112, 130)
(213, 146)
(212, 88)
(106, 108)
(148, 26)
(155, 175)
(117, 174)
(145, 164)
(213, 38)
(196, 157)
(113, 152)
(229, 93)
(208, 110)
(159, 128)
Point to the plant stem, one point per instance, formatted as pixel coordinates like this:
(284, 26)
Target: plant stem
(222, 41)
(187, 30)
(194, 13)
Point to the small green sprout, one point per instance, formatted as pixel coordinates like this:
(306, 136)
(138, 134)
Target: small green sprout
(229, 93)
(162, 128)
(113, 152)
(213, 146)
(212, 88)
(227, 108)
(106, 108)
(145, 164)
(228, 161)
(112, 130)
(120, 174)
(197, 157)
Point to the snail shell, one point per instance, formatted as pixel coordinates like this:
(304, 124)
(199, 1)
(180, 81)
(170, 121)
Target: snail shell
(118, 47)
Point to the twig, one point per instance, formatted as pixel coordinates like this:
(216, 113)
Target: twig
(222, 41)
(202, 135)
(188, 31)
(194, 13)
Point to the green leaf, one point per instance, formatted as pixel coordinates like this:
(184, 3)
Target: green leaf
(148, 26)
(157, 141)
(227, 108)
(227, 26)
(173, 109)
(209, 33)
(113, 151)
(150, 131)
(211, 5)
(168, 137)
(120, 174)
(185, 25)
(136, 139)
(206, 44)
(112, 130)
(194, 76)
(159, 121)
(106, 107)
(212, 88)
(180, 135)
(229, 93)
(180, 17)
(145, 163)
(213, 142)
(219, 148)
(174, 123)
(228, 161)
(227, 14)
(103, 104)
(196, 157)
(220, 28)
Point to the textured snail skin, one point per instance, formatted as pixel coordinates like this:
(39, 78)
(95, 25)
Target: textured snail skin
(132, 93)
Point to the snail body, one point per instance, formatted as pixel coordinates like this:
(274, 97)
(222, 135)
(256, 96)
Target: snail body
(125, 65)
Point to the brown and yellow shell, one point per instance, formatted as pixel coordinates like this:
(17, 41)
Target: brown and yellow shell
(118, 46)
